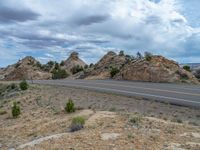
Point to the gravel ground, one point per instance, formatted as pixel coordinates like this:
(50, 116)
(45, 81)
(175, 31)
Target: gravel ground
(43, 115)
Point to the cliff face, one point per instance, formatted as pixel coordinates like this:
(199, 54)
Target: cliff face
(73, 61)
(158, 69)
(26, 68)
(102, 68)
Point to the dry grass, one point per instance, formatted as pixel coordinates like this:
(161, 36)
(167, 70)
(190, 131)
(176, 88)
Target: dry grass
(43, 115)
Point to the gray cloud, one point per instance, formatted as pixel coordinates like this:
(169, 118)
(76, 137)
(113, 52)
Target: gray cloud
(88, 20)
(95, 27)
(9, 15)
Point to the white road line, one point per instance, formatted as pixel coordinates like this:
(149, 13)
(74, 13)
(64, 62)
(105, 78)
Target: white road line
(127, 86)
(165, 84)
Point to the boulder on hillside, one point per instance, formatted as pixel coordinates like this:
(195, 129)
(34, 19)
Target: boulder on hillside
(157, 69)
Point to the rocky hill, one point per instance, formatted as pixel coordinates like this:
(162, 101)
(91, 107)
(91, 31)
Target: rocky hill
(102, 68)
(73, 61)
(112, 65)
(151, 69)
(27, 68)
(158, 69)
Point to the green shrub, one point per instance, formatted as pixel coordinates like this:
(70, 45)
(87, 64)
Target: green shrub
(39, 65)
(48, 66)
(23, 85)
(139, 55)
(183, 76)
(187, 68)
(135, 120)
(16, 111)
(59, 74)
(13, 86)
(62, 63)
(76, 69)
(91, 65)
(121, 53)
(114, 71)
(86, 66)
(77, 124)
(148, 56)
(70, 106)
(57, 66)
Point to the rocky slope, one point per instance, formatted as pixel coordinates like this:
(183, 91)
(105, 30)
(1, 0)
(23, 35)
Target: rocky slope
(73, 61)
(26, 68)
(158, 69)
(102, 68)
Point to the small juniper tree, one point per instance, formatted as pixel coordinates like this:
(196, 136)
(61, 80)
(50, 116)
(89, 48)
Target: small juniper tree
(16, 111)
(113, 72)
(70, 106)
(187, 68)
(121, 53)
(23, 85)
(139, 55)
(148, 56)
(62, 63)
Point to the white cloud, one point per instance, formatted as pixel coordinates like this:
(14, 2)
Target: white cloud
(94, 27)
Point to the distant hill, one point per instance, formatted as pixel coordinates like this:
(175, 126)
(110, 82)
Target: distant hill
(193, 66)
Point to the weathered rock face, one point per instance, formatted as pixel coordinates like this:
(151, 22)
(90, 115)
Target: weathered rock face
(158, 69)
(24, 69)
(73, 61)
(102, 68)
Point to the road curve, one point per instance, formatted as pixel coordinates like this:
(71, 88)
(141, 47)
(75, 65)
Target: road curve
(179, 94)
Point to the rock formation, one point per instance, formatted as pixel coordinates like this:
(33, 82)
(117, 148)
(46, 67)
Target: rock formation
(102, 68)
(158, 69)
(26, 68)
(73, 61)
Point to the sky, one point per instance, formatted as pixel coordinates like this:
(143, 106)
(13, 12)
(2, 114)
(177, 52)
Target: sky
(52, 29)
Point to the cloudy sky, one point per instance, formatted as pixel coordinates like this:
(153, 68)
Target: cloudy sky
(51, 29)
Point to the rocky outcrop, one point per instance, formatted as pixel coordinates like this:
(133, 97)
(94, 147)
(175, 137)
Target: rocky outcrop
(158, 69)
(102, 68)
(26, 68)
(73, 61)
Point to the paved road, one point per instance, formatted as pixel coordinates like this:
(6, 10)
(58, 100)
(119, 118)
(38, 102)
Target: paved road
(180, 94)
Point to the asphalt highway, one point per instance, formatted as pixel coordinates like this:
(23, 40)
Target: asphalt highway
(179, 94)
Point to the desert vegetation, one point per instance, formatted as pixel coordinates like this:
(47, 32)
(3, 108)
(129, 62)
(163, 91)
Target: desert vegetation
(114, 71)
(23, 85)
(16, 111)
(187, 68)
(70, 106)
(77, 123)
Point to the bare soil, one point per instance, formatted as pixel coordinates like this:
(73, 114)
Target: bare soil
(43, 123)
